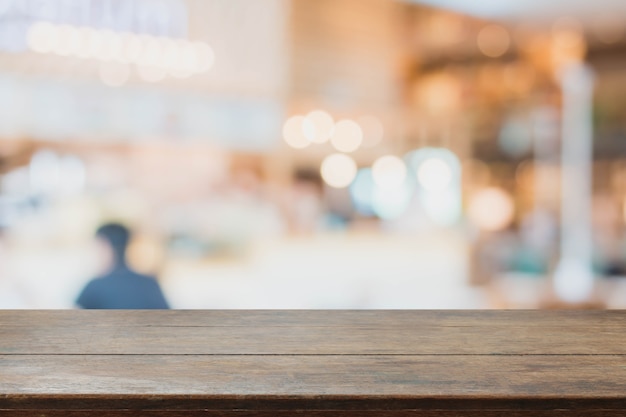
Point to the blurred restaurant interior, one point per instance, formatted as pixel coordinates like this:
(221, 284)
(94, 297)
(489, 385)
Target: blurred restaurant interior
(357, 154)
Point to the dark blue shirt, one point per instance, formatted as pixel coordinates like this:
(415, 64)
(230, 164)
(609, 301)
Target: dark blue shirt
(122, 288)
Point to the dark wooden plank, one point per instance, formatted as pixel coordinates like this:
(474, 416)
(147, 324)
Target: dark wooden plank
(312, 363)
(342, 332)
(311, 382)
(313, 413)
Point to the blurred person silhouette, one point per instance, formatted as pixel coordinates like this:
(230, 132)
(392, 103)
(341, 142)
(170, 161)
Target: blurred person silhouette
(120, 287)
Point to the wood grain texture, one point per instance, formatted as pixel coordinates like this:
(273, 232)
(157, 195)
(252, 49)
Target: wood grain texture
(308, 413)
(314, 332)
(312, 363)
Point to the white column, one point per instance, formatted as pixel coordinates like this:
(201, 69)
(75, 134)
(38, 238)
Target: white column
(573, 280)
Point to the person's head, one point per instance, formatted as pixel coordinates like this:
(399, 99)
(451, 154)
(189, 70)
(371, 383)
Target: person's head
(117, 237)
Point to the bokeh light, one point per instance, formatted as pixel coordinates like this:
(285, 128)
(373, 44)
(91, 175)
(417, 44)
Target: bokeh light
(293, 132)
(205, 56)
(491, 209)
(390, 203)
(389, 171)
(319, 126)
(338, 170)
(436, 169)
(434, 174)
(68, 41)
(347, 136)
(42, 37)
(493, 41)
(177, 57)
(386, 203)
(362, 191)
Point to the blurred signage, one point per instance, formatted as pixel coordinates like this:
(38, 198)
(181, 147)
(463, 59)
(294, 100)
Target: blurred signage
(153, 17)
(51, 110)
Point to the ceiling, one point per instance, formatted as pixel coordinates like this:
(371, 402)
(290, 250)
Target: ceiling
(542, 10)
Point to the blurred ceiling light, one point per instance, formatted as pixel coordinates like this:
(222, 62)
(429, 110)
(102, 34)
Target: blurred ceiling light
(150, 52)
(83, 50)
(205, 56)
(151, 74)
(188, 58)
(109, 47)
(68, 41)
(293, 132)
(389, 172)
(347, 136)
(42, 37)
(177, 57)
(434, 174)
(373, 130)
(320, 126)
(114, 74)
(338, 170)
(169, 53)
(491, 209)
(493, 41)
(132, 47)
(93, 42)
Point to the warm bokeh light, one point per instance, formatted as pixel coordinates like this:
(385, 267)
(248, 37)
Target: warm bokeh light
(493, 41)
(373, 130)
(177, 57)
(491, 209)
(347, 136)
(434, 174)
(389, 171)
(68, 41)
(293, 132)
(338, 170)
(319, 126)
(439, 93)
(42, 38)
(205, 56)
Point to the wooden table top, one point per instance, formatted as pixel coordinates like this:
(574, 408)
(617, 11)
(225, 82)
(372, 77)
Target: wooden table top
(322, 363)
